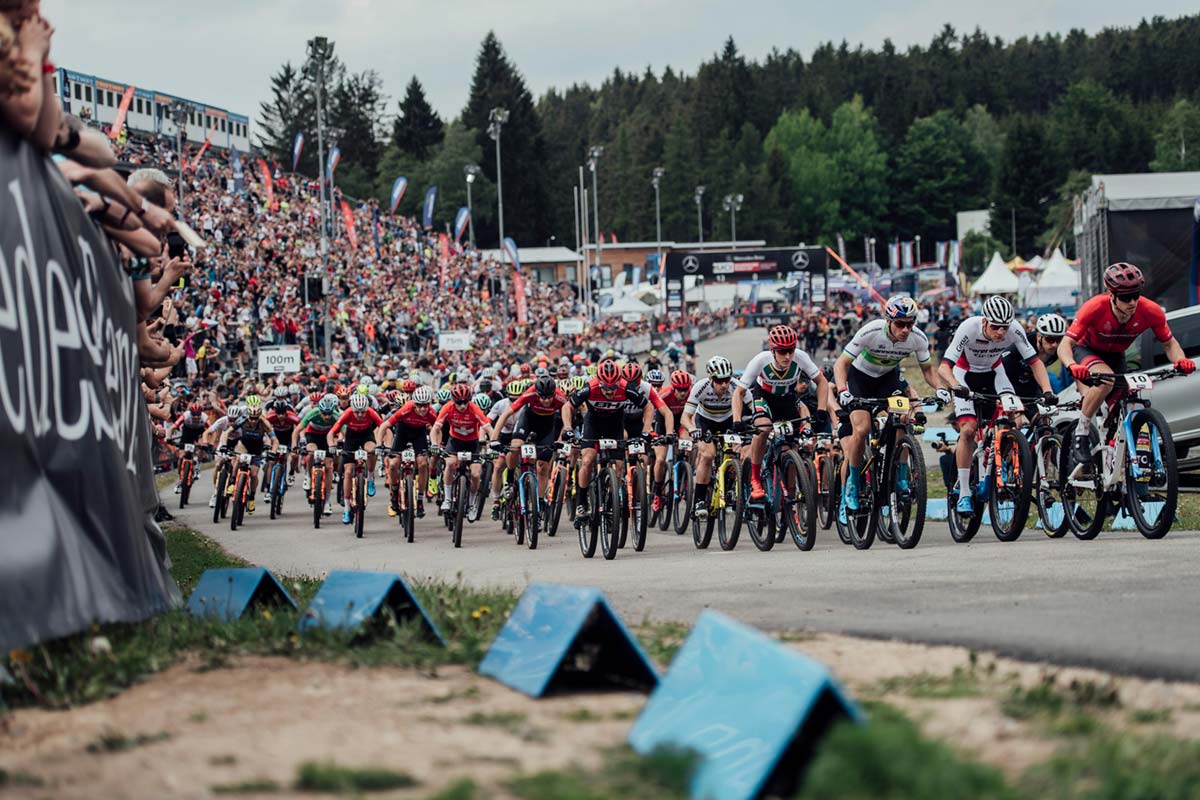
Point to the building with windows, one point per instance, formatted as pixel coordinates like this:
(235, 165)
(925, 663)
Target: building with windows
(150, 110)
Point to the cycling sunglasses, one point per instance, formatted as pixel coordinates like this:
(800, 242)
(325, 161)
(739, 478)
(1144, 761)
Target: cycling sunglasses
(1127, 297)
(1052, 339)
(726, 380)
(785, 350)
(901, 323)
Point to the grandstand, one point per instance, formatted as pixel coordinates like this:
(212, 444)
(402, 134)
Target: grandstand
(150, 111)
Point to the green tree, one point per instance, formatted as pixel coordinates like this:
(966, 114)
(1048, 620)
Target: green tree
(986, 136)
(356, 112)
(977, 249)
(292, 109)
(938, 173)
(417, 129)
(1028, 177)
(1060, 217)
(800, 139)
(1093, 129)
(861, 168)
(1177, 142)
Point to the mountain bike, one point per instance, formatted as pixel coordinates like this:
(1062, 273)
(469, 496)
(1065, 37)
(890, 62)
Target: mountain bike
(790, 500)
(187, 473)
(224, 473)
(724, 489)
(460, 490)
(683, 483)
(1133, 467)
(1001, 474)
(523, 509)
(277, 478)
(358, 492)
(403, 493)
(316, 492)
(1047, 447)
(243, 490)
(827, 465)
(561, 491)
(603, 521)
(637, 492)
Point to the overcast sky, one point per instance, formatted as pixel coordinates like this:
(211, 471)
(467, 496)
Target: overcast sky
(222, 52)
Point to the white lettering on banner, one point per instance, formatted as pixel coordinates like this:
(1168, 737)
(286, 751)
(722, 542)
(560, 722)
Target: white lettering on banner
(55, 321)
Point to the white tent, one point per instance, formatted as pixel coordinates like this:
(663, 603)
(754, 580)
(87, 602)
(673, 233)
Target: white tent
(1058, 285)
(996, 279)
(626, 305)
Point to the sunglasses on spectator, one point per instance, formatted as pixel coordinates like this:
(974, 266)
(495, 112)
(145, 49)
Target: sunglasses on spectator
(1127, 297)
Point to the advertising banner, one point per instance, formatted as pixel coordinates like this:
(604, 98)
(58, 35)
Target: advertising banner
(278, 359)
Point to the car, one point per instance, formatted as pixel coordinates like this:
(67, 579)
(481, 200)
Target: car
(1176, 399)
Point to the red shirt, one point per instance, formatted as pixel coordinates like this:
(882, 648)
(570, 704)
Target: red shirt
(673, 401)
(283, 422)
(544, 407)
(413, 415)
(464, 425)
(353, 422)
(1097, 329)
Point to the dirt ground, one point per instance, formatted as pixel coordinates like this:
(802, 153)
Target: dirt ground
(260, 718)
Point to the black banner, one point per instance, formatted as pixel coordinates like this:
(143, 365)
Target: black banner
(78, 543)
(721, 266)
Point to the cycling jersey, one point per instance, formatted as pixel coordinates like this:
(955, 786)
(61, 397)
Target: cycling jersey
(703, 402)
(541, 406)
(1020, 372)
(762, 372)
(971, 351)
(189, 420)
(317, 421)
(283, 420)
(356, 423)
(252, 434)
(674, 402)
(225, 423)
(413, 415)
(1096, 328)
(498, 410)
(874, 353)
(463, 424)
(602, 406)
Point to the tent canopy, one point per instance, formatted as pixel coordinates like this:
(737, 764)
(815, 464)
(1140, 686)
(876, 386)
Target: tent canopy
(1058, 285)
(996, 279)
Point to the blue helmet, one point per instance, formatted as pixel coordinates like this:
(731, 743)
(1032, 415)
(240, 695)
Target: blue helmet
(900, 307)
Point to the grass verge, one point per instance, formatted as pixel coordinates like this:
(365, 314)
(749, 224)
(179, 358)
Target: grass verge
(664, 775)
(108, 658)
(329, 777)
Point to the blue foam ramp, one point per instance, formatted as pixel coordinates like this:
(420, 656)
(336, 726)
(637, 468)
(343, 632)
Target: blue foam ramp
(751, 707)
(931, 434)
(566, 637)
(228, 593)
(1124, 522)
(347, 599)
(936, 508)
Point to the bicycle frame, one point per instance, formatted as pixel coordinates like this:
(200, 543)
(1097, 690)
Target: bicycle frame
(527, 463)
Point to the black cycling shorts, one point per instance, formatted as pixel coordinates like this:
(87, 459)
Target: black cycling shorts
(711, 426)
(1088, 356)
(539, 429)
(190, 435)
(355, 440)
(611, 426)
(777, 407)
(867, 386)
(319, 439)
(414, 436)
(461, 446)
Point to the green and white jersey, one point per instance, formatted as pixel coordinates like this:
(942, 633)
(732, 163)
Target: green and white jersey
(874, 353)
(762, 372)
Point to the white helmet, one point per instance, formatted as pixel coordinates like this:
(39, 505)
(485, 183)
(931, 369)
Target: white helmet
(422, 395)
(359, 402)
(236, 412)
(998, 311)
(393, 375)
(719, 367)
(281, 391)
(1051, 325)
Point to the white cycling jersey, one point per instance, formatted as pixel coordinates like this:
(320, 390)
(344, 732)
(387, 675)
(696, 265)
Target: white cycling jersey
(971, 351)
(703, 401)
(762, 372)
(499, 408)
(874, 353)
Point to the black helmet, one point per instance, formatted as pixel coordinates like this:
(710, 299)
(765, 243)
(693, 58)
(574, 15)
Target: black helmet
(545, 386)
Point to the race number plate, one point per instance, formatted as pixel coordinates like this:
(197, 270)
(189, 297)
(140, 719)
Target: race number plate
(608, 444)
(1139, 381)
(465, 455)
(319, 455)
(1010, 402)
(685, 445)
(528, 451)
(637, 447)
(189, 448)
(281, 449)
(898, 405)
(360, 455)
(565, 449)
(782, 428)
(408, 456)
(245, 458)
(732, 438)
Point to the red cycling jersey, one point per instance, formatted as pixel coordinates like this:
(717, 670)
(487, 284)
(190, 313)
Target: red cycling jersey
(464, 424)
(413, 415)
(673, 401)
(353, 422)
(1097, 329)
(542, 406)
(603, 406)
(283, 422)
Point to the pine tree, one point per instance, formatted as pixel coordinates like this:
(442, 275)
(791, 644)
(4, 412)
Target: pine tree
(357, 108)
(292, 109)
(418, 129)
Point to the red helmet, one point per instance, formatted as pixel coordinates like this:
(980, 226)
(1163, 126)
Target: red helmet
(782, 337)
(608, 373)
(196, 408)
(526, 369)
(681, 380)
(393, 395)
(632, 373)
(408, 386)
(315, 397)
(1123, 277)
(342, 391)
(460, 393)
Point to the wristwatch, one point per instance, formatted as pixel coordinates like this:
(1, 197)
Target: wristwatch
(141, 212)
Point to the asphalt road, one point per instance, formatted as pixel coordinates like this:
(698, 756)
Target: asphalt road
(1120, 602)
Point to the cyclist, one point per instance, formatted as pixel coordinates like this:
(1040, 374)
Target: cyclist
(974, 363)
(410, 425)
(770, 380)
(1103, 330)
(655, 378)
(869, 366)
(313, 433)
(360, 422)
(1045, 338)
(631, 374)
(709, 409)
(284, 419)
(466, 422)
(606, 397)
(252, 435)
(230, 423)
(503, 434)
(541, 422)
(675, 398)
(191, 425)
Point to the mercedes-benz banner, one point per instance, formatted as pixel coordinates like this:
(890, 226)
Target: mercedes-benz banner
(724, 266)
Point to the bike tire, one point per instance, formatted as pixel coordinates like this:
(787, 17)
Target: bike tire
(964, 527)
(1085, 525)
(239, 487)
(666, 513)
(728, 534)
(408, 515)
(798, 508)
(360, 503)
(317, 493)
(1156, 525)
(610, 514)
(907, 520)
(589, 528)
(864, 522)
(684, 484)
(702, 529)
(1008, 523)
(826, 497)
(458, 506)
(843, 529)
(528, 484)
(559, 489)
(625, 512)
(641, 510)
(222, 483)
(1048, 497)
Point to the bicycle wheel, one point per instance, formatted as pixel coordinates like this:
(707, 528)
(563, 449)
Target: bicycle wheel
(907, 517)
(360, 501)
(666, 513)
(641, 510)
(683, 481)
(222, 484)
(963, 527)
(1085, 503)
(1049, 495)
(516, 519)
(239, 488)
(1152, 495)
(798, 507)
(611, 514)
(408, 515)
(843, 529)
(862, 523)
(826, 497)
(625, 511)
(589, 527)
(760, 516)
(1012, 485)
(528, 486)
(185, 485)
(458, 507)
(728, 534)
(558, 489)
(317, 492)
